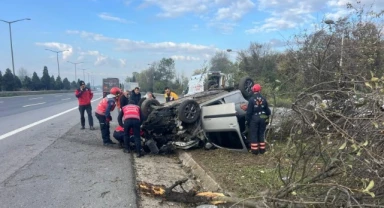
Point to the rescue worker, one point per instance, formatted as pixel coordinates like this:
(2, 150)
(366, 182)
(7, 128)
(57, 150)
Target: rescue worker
(132, 116)
(258, 114)
(135, 95)
(84, 96)
(169, 95)
(103, 114)
(118, 134)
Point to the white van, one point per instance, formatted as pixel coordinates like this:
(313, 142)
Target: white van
(210, 80)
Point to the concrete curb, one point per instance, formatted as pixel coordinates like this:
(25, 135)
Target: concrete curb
(208, 182)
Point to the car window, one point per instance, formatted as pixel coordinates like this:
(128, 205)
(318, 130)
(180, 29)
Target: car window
(234, 98)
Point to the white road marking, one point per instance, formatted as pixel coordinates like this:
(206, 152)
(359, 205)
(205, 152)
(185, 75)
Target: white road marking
(33, 104)
(39, 122)
(66, 99)
(58, 95)
(35, 98)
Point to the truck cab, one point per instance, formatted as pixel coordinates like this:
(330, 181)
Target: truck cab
(207, 81)
(108, 84)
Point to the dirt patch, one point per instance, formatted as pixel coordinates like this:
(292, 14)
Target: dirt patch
(243, 174)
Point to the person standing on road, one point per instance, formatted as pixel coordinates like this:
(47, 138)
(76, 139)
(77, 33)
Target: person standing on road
(103, 114)
(124, 98)
(84, 96)
(132, 116)
(135, 95)
(169, 95)
(258, 114)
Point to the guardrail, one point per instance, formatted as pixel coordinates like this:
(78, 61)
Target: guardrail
(18, 93)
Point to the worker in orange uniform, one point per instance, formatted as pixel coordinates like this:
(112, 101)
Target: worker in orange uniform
(132, 116)
(103, 114)
(258, 114)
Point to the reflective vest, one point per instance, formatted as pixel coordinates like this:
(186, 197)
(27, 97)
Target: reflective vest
(131, 111)
(102, 107)
(119, 128)
(258, 107)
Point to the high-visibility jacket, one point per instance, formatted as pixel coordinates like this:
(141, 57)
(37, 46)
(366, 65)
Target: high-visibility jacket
(102, 107)
(131, 112)
(171, 97)
(119, 128)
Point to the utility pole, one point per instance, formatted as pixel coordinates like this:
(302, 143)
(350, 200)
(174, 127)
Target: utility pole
(10, 37)
(84, 74)
(57, 57)
(75, 68)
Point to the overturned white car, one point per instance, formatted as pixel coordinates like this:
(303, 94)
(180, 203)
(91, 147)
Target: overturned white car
(211, 117)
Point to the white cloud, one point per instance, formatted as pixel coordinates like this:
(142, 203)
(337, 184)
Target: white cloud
(185, 58)
(293, 14)
(102, 60)
(106, 16)
(216, 13)
(123, 44)
(58, 47)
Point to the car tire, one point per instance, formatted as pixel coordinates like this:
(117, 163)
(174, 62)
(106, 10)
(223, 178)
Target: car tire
(189, 111)
(209, 84)
(245, 86)
(141, 101)
(146, 106)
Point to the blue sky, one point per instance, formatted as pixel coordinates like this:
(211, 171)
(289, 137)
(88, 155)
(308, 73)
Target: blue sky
(117, 37)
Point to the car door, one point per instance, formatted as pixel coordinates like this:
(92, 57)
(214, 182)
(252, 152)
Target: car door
(221, 127)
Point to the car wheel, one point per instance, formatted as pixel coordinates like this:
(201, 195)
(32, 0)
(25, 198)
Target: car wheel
(189, 111)
(146, 106)
(245, 86)
(141, 101)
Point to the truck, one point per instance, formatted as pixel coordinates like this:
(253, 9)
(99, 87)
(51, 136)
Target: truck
(108, 83)
(130, 85)
(208, 81)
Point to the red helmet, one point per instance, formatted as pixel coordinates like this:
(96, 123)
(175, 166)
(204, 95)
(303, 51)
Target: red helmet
(115, 91)
(256, 88)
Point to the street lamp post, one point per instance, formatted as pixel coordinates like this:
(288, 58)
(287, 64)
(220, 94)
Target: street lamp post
(84, 73)
(10, 37)
(75, 68)
(57, 57)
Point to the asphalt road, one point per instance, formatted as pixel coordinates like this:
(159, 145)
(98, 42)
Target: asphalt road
(46, 161)
(21, 104)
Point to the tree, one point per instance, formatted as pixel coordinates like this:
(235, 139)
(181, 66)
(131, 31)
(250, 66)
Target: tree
(8, 81)
(58, 83)
(52, 83)
(36, 83)
(18, 84)
(220, 62)
(74, 85)
(22, 73)
(1, 81)
(165, 70)
(27, 83)
(66, 84)
(45, 79)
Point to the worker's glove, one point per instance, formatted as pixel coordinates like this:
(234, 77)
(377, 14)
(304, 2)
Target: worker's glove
(107, 120)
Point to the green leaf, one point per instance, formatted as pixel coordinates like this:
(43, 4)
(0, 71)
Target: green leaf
(368, 85)
(365, 143)
(369, 187)
(375, 124)
(299, 132)
(277, 80)
(354, 146)
(343, 146)
(374, 79)
(294, 193)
